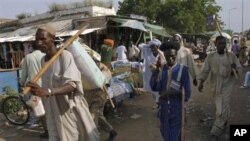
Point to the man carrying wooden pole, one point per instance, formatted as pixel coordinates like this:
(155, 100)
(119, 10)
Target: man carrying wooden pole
(67, 114)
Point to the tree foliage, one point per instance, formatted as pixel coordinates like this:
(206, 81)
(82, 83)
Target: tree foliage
(23, 15)
(184, 16)
(147, 8)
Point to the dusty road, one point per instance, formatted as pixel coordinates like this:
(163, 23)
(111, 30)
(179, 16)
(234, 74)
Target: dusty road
(137, 121)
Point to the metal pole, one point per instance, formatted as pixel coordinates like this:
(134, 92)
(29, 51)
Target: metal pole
(229, 23)
(229, 19)
(242, 17)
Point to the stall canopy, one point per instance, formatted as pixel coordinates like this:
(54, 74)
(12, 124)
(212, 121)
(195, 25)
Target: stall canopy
(158, 30)
(134, 24)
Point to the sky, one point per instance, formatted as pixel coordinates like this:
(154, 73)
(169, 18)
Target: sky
(235, 8)
(11, 8)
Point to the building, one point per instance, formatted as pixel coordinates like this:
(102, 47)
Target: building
(17, 37)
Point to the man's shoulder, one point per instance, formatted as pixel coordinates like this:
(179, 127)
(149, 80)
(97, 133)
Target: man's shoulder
(231, 54)
(211, 55)
(66, 53)
(184, 50)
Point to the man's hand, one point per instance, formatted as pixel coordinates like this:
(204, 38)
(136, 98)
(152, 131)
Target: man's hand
(195, 82)
(233, 66)
(200, 87)
(152, 67)
(37, 90)
(233, 69)
(158, 63)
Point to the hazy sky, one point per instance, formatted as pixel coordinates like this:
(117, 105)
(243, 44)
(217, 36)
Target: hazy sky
(235, 14)
(11, 8)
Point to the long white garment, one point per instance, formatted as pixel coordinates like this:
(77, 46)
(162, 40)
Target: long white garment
(221, 84)
(149, 59)
(31, 66)
(121, 53)
(184, 57)
(68, 117)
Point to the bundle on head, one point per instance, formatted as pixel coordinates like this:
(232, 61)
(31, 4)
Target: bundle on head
(109, 42)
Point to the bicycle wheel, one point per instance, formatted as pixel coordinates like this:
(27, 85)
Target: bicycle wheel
(15, 110)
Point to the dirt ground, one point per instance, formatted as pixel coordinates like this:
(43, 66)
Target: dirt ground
(136, 120)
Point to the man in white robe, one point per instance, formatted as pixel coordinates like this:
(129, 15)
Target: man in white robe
(121, 53)
(67, 114)
(185, 58)
(220, 65)
(149, 60)
(30, 67)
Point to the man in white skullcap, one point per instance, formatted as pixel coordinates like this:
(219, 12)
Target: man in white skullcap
(185, 58)
(67, 114)
(150, 53)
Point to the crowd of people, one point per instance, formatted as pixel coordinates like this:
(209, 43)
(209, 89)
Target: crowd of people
(74, 114)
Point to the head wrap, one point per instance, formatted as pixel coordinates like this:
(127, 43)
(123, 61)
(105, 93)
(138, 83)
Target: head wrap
(154, 42)
(169, 45)
(178, 35)
(181, 39)
(109, 42)
(49, 29)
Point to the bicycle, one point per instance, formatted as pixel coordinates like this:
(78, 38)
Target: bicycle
(16, 110)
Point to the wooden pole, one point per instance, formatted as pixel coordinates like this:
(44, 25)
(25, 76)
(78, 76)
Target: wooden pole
(106, 92)
(26, 90)
(183, 114)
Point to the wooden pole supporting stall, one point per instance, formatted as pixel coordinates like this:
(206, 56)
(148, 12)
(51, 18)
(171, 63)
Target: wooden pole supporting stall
(26, 90)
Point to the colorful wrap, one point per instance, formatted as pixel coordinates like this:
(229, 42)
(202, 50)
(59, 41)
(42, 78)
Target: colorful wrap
(109, 42)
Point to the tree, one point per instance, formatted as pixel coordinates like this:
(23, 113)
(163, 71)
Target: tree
(147, 8)
(54, 7)
(184, 16)
(23, 15)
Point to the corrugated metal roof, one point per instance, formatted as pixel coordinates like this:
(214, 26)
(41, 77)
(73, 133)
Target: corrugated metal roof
(73, 32)
(28, 33)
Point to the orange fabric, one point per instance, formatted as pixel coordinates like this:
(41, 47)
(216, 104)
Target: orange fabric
(109, 42)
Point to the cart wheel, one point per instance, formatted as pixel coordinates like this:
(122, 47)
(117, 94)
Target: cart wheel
(15, 110)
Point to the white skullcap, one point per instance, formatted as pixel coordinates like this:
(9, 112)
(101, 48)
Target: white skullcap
(49, 29)
(178, 35)
(155, 42)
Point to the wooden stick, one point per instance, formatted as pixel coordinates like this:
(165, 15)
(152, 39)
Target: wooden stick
(26, 90)
(183, 114)
(106, 92)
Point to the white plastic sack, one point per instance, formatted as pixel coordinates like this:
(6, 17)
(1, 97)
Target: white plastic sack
(92, 77)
